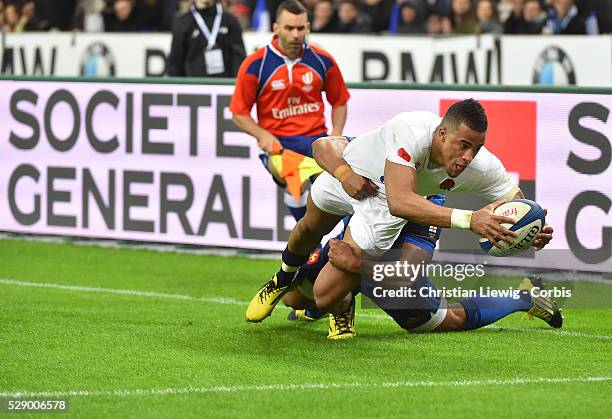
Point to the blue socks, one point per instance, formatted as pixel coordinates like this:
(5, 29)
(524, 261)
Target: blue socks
(481, 311)
(291, 263)
(297, 212)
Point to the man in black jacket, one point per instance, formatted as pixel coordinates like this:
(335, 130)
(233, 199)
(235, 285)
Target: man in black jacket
(206, 42)
(564, 18)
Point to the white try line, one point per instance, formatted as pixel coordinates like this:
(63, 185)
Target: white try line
(552, 331)
(233, 301)
(134, 293)
(294, 387)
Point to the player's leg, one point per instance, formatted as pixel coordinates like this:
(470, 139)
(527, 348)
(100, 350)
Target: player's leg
(333, 292)
(481, 311)
(332, 289)
(478, 312)
(436, 315)
(332, 203)
(304, 237)
(296, 298)
(301, 299)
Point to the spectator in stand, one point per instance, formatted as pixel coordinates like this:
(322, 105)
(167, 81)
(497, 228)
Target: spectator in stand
(379, 11)
(11, 18)
(206, 42)
(463, 17)
(438, 24)
(242, 12)
(55, 14)
(324, 18)
(88, 16)
(504, 9)
(594, 14)
(513, 22)
(120, 17)
(395, 18)
(533, 18)
(564, 19)
(29, 21)
(488, 20)
(411, 19)
(351, 19)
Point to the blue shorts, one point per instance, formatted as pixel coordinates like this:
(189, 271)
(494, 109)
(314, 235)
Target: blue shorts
(300, 143)
(422, 313)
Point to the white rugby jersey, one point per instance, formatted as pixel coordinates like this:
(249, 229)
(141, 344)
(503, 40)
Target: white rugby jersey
(406, 139)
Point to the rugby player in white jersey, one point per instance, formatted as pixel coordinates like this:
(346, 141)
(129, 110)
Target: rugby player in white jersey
(381, 180)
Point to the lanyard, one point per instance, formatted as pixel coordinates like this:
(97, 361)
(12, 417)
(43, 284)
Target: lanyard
(211, 37)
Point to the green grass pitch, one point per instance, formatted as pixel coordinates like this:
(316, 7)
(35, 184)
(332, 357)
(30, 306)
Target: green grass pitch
(137, 333)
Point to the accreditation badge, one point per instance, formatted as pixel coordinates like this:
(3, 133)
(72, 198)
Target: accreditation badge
(214, 61)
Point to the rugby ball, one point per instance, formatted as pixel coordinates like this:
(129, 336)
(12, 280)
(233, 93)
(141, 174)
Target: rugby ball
(530, 218)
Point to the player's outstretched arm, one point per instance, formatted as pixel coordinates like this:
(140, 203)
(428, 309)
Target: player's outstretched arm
(266, 141)
(327, 151)
(404, 202)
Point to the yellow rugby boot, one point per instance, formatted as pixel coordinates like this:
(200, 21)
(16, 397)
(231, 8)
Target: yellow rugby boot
(544, 308)
(342, 325)
(263, 303)
(309, 314)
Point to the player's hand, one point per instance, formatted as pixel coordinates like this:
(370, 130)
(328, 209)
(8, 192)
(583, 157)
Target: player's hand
(358, 187)
(269, 143)
(343, 256)
(488, 225)
(544, 237)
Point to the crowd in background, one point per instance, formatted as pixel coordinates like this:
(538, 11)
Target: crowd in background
(327, 16)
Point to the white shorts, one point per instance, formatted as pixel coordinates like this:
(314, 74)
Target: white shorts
(372, 226)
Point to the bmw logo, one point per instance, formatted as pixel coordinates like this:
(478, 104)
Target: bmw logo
(97, 60)
(554, 67)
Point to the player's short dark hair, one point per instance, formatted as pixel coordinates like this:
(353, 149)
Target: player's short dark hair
(469, 112)
(292, 6)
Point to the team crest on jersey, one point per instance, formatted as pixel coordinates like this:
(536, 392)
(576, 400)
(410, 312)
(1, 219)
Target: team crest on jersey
(278, 84)
(447, 184)
(307, 78)
(314, 257)
(404, 154)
